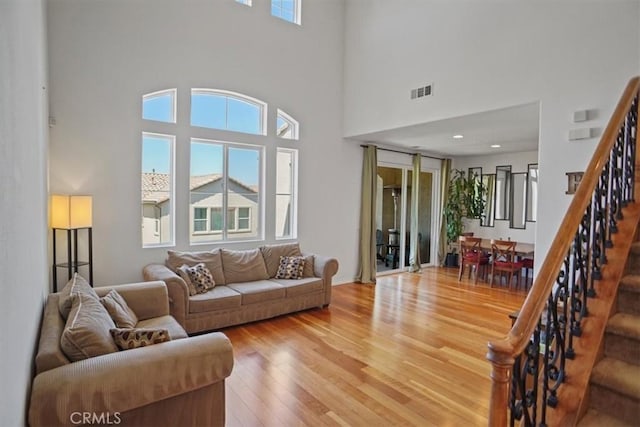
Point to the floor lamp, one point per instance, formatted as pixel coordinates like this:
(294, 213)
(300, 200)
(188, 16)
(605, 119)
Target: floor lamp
(70, 214)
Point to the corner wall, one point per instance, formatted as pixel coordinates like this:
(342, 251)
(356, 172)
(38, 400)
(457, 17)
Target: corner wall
(23, 205)
(487, 55)
(106, 54)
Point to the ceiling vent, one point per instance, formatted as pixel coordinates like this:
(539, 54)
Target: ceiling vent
(421, 92)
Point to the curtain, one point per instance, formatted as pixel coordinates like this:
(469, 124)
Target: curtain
(414, 242)
(367, 262)
(445, 172)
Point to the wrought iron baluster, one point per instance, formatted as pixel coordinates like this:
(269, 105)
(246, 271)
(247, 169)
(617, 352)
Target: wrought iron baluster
(524, 398)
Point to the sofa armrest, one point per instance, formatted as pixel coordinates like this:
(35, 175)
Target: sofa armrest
(326, 268)
(177, 289)
(126, 380)
(146, 299)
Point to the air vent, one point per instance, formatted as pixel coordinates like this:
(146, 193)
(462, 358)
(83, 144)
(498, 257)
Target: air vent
(421, 92)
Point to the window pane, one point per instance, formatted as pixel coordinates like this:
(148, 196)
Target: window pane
(285, 9)
(285, 193)
(244, 185)
(244, 217)
(206, 188)
(231, 219)
(209, 111)
(286, 126)
(199, 219)
(157, 189)
(243, 117)
(159, 106)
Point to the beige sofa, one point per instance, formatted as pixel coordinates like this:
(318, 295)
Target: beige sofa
(179, 382)
(246, 288)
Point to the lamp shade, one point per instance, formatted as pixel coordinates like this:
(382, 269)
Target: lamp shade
(70, 212)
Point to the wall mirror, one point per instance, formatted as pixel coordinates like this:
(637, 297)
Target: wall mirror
(502, 192)
(489, 183)
(477, 172)
(532, 192)
(518, 199)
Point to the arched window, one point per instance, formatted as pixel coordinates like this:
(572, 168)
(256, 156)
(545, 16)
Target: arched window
(160, 106)
(286, 126)
(219, 109)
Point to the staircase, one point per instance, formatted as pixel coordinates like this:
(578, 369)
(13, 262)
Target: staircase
(615, 380)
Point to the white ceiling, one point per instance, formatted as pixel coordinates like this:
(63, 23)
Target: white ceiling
(515, 129)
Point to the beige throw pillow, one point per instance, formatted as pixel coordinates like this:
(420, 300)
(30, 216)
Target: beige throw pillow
(211, 259)
(129, 338)
(86, 333)
(291, 267)
(76, 285)
(200, 278)
(183, 272)
(272, 254)
(309, 266)
(119, 311)
(243, 266)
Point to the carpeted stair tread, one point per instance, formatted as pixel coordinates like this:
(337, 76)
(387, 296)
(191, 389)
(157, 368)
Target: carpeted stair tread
(619, 376)
(630, 283)
(594, 418)
(624, 324)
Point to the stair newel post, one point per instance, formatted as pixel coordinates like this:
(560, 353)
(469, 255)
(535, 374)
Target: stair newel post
(502, 364)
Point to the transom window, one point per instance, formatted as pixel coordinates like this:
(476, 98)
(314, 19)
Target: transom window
(217, 109)
(160, 106)
(289, 10)
(286, 126)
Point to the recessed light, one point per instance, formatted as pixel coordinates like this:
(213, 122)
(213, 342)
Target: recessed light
(458, 136)
(495, 145)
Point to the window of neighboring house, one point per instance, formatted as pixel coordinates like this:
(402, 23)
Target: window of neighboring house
(160, 106)
(157, 193)
(286, 126)
(245, 2)
(289, 10)
(225, 182)
(286, 197)
(218, 109)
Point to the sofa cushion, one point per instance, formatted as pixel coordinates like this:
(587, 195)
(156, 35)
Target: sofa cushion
(128, 338)
(290, 267)
(259, 291)
(86, 333)
(77, 284)
(243, 266)
(297, 287)
(183, 272)
(211, 259)
(219, 298)
(164, 322)
(309, 266)
(272, 254)
(118, 309)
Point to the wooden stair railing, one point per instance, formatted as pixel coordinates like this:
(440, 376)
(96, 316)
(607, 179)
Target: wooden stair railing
(528, 365)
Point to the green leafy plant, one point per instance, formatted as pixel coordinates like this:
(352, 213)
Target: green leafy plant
(466, 200)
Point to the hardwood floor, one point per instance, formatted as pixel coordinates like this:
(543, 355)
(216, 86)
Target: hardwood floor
(407, 351)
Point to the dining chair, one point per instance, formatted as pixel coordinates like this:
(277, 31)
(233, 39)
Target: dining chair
(527, 264)
(503, 261)
(472, 256)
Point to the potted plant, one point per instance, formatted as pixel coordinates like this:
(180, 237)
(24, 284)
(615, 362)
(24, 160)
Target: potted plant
(465, 201)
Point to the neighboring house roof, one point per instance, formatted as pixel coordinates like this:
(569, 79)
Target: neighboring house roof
(155, 186)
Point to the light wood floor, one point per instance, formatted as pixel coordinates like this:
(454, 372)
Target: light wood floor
(408, 351)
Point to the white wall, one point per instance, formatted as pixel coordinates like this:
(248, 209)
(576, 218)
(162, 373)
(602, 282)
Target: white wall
(488, 163)
(23, 207)
(488, 55)
(105, 54)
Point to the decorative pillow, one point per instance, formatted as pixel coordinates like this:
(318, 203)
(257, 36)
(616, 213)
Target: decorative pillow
(243, 266)
(291, 267)
(272, 254)
(212, 259)
(183, 272)
(130, 338)
(309, 266)
(76, 285)
(86, 333)
(200, 278)
(119, 311)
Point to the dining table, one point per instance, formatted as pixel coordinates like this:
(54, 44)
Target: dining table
(522, 249)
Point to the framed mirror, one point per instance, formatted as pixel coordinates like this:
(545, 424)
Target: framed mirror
(502, 192)
(518, 200)
(532, 192)
(489, 183)
(477, 172)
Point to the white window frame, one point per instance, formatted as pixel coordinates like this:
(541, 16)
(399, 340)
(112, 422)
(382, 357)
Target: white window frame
(294, 195)
(158, 94)
(293, 123)
(262, 107)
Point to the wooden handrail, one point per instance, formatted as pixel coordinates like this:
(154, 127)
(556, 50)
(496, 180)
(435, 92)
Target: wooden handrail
(502, 353)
